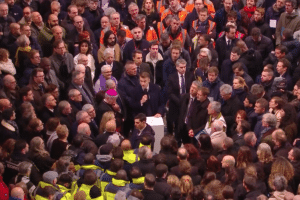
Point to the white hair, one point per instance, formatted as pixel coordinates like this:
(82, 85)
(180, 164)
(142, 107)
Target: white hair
(104, 67)
(108, 51)
(79, 66)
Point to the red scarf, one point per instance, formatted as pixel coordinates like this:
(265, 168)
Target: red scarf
(249, 11)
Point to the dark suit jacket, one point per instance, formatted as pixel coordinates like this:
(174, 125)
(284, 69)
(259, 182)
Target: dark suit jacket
(198, 117)
(136, 137)
(223, 51)
(229, 109)
(87, 91)
(154, 100)
(105, 107)
(173, 90)
(45, 114)
(151, 195)
(146, 166)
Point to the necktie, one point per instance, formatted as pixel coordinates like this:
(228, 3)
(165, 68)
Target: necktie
(190, 109)
(41, 88)
(85, 95)
(182, 85)
(228, 44)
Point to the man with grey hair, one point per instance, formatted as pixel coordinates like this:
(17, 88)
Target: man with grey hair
(214, 112)
(89, 108)
(187, 104)
(146, 163)
(64, 113)
(133, 11)
(81, 117)
(217, 135)
(231, 104)
(88, 144)
(89, 70)
(178, 84)
(106, 74)
(75, 100)
(23, 176)
(269, 122)
(280, 185)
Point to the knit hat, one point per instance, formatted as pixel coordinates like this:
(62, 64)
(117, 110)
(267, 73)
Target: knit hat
(105, 149)
(49, 176)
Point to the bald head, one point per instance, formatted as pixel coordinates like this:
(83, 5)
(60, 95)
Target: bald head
(182, 153)
(10, 82)
(84, 129)
(5, 104)
(228, 161)
(17, 192)
(110, 126)
(126, 145)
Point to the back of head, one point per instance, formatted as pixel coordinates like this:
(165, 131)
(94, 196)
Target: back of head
(89, 177)
(149, 180)
(116, 165)
(144, 153)
(161, 170)
(121, 175)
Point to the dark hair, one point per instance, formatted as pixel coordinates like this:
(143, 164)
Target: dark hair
(51, 87)
(175, 193)
(35, 71)
(77, 141)
(231, 175)
(228, 27)
(228, 192)
(287, 33)
(20, 145)
(160, 158)
(296, 153)
(146, 140)
(160, 170)
(236, 50)
(121, 33)
(238, 65)
(213, 164)
(150, 180)
(57, 42)
(52, 123)
(205, 142)
(64, 178)
(245, 126)
(255, 32)
(250, 182)
(141, 116)
(206, 37)
(89, 177)
(7, 113)
(197, 193)
(88, 159)
(192, 151)
(135, 172)
(251, 98)
(117, 152)
(23, 92)
(136, 52)
(106, 36)
(232, 13)
(89, 46)
(286, 63)
(116, 164)
(282, 48)
(289, 116)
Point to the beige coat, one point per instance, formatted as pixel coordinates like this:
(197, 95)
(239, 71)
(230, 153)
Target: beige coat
(117, 51)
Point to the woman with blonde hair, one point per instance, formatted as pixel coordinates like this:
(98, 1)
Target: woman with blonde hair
(281, 166)
(186, 185)
(265, 158)
(39, 155)
(105, 118)
(6, 65)
(173, 181)
(214, 188)
(240, 88)
(148, 9)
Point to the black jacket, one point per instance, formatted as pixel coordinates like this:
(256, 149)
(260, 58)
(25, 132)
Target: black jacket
(151, 195)
(253, 61)
(162, 187)
(229, 109)
(264, 46)
(146, 166)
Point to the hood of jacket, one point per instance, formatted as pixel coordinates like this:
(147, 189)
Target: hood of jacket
(103, 158)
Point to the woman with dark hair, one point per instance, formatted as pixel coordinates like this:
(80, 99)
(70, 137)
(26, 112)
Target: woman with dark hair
(8, 127)
(33, 129)
(195, 158)
(109, 41)
(275, 107)
(206, 148)
(207, 178)
(86, 49)
(239, 116)
(244, 158)
(231, 177)
(214, 165)
(287, 122)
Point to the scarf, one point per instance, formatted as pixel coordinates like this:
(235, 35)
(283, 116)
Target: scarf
(249, 11)
(24, 49)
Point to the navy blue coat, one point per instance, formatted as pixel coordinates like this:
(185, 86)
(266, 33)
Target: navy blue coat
(227, 74)
(130, 48)
(136, 136)
(223, 52)
(221, 19)
(130, 91)
(155, 100)
(214, 88)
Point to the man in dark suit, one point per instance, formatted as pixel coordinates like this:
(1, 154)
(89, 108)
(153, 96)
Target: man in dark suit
(137, 57)
(151, 100)
(178, 84)
(225, 43)
(141, 129)
(47, 111)
(128, 87)
(75, 100)
(187, 104)
(199, 114)
(84, 68)
(78, 83)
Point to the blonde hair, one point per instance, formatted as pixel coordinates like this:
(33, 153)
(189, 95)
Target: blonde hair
(105, 118)
(186, 185)
(264, 153)
(242, 82)
(35, 147)
(143, 6)
(173, 181)
(62, 131)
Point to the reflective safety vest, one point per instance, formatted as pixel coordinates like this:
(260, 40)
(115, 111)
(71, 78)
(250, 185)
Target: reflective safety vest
(151, 35)
(112, 188)
(66, 193)
(210, 8)
(129, 156)
(106, 178)
(211, 25)
(114, 30)
(160, 7)
(42, 185)
(238, 35)
(160, 28)
(181, 14)
(138, 182)
(181, 36)
(86, 189)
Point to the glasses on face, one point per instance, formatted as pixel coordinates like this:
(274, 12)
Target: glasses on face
(41, 76)
(79, 22)
(61, 48)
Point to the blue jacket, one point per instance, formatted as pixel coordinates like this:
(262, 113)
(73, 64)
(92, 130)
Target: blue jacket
(214, 88)
(131, 47)
(169, 68)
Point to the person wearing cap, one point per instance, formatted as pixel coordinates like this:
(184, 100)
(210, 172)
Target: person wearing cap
(203, 25)
(119, 183)
(109, 104)
(49, 179)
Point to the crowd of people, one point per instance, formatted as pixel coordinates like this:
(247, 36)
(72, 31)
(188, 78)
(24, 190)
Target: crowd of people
(78, 79)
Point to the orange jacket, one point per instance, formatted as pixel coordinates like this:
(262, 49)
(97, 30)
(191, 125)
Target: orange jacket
(181, 14)
(114, 30)
(151, 35)
(181, 36)
(210, 7)
(160, 28)
(160, 7)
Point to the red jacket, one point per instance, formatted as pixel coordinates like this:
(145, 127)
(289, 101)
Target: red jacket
(4, 191)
